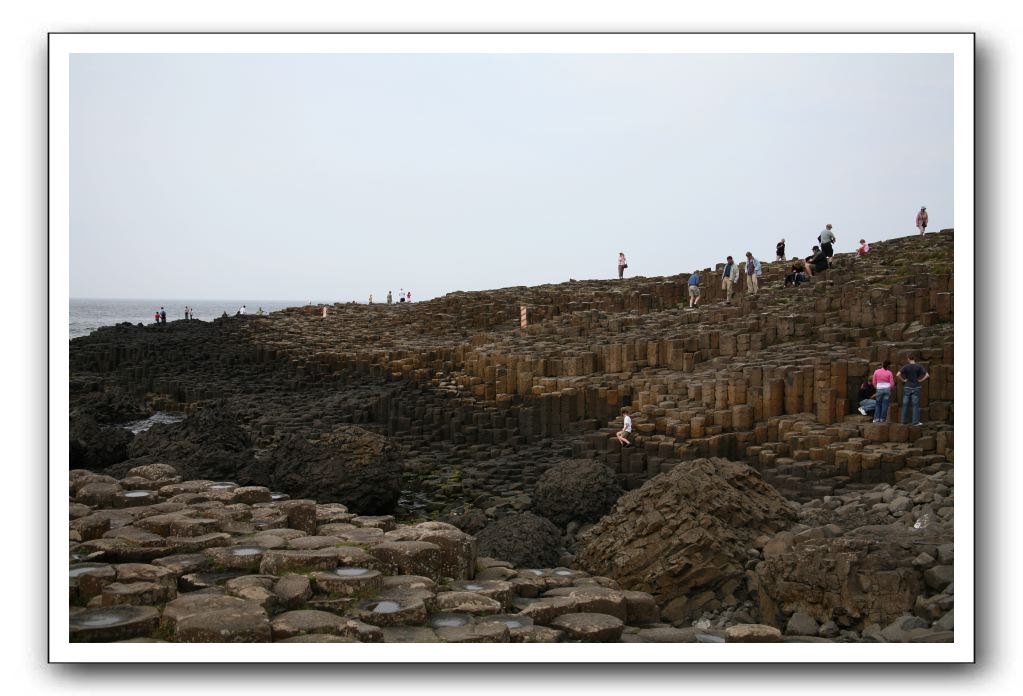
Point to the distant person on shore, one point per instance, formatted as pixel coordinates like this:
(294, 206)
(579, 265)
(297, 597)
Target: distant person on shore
(864, 248)
(156, 317)
(163, 315)
(371, 298)
(694, 289)
(389, 297)
(623, 434)
(622, 265)
(779, 250)
(409, 296)
(921, 220)
(729, 277)
(753, 272)
(883, 382)
(242, 310)
(827, 240)
(401, 295)
(912, 375)
(260, 312)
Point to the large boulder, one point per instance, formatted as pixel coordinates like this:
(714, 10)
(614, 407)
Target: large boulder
(685, 535)
(524, 540)
(348, 465)
(577, 489)
(862, 576)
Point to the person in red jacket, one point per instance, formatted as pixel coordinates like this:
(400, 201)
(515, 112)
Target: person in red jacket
(921, 220)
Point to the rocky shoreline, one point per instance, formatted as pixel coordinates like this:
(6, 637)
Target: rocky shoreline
(438, 473)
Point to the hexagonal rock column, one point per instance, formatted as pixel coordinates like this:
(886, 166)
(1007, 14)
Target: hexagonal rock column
(589, 627)
(391, 611)
(544, 611)
(303, 621)
(236, 557)
(490, 632)
(112, 623)
(209, 618)
(752, 633)
(278, 562)
(409, 558)
(458, 550)
(467, 602)
(347, 581)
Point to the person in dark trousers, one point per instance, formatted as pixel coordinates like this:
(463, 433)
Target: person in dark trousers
(622, 264)
(156, 317)
(868, 398)
(827, 240)
(912, 375)
(163, 316)
(921, 220)
(389, 300)
(779, 250)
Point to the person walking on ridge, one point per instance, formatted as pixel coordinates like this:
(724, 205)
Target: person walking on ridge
(921, 220)
(622, 265)
(729, 277)
(779, 250)
(694, 289)
(623, 434)
(389, 297)
(753, 272)
(912, 375)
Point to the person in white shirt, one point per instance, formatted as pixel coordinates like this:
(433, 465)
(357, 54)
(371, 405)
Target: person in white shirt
(623, 434)
(242, 310)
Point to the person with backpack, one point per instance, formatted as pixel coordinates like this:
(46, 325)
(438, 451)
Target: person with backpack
(753, 272)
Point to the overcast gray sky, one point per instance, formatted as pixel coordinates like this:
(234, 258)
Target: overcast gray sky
(329, 177)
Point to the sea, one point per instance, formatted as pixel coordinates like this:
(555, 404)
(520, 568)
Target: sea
(85, 315)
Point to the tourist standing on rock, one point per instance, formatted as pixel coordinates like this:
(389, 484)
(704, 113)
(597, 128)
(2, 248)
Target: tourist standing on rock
(729, 277)
(260, 312)
(623, 434)
(753, 272)
(156, 317)
(401, 295)
(827, 240)
(864, 248)
(388, 297)
(921, 220)
(163, 316)
(884, 382)
(694, 289)
(242, 310)
(622, 265)
(409, 296)
(779, 250)
(371, 298)
(912, 375)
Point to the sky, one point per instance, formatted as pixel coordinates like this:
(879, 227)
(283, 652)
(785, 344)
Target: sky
(328, 177)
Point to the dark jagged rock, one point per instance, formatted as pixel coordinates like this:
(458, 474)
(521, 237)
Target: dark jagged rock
(210, 444)
(349, 465)
(94, 446)
(683, 537)
(522, 540)
(576, 490)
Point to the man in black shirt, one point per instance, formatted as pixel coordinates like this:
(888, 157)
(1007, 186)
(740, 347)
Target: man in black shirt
(912, 375)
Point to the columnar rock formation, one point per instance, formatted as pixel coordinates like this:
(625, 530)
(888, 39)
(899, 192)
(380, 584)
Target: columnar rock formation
(449, 409)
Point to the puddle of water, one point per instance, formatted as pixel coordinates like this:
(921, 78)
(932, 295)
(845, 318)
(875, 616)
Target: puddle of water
(75, 572)
(160, 417)
(247, 551)
(98, 620)
(473, 586)
(136, 494)
(452, 620)
(385, 606)
(350, 572)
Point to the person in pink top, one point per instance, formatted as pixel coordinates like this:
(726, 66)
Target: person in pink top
(863, 248)
(921, 220)
(884, 382)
